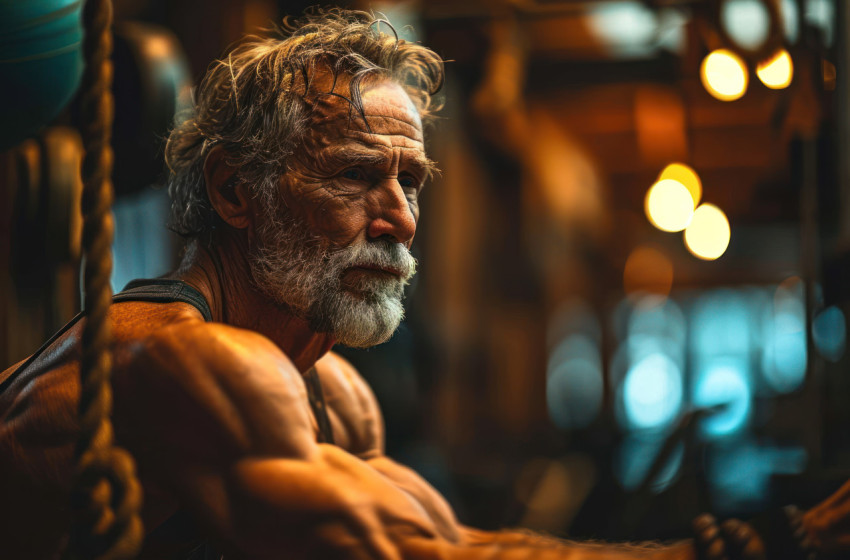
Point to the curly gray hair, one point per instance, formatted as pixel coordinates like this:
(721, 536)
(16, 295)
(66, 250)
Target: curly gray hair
(251, 102)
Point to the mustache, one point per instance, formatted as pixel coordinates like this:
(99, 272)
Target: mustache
(380, 254)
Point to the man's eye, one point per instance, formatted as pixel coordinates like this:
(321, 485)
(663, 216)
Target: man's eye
(353, 174)
(408, 182)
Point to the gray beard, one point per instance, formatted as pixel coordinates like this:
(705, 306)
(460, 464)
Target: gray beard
(300, 271)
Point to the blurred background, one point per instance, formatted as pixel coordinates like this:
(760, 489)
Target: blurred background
(633, 286)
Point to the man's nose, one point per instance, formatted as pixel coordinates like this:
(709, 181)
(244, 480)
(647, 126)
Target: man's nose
(393, 215)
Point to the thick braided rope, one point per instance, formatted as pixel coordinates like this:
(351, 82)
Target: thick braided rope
(106, 497)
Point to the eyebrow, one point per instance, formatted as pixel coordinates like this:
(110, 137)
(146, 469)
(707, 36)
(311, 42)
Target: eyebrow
(355, 153)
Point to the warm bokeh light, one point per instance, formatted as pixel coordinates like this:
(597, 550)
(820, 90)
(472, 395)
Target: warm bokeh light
(724, 75)
(828, 75)
(647, 270)
(158, 47)
(777, 71)
(685, 175)
(708, 234)
(669, 205)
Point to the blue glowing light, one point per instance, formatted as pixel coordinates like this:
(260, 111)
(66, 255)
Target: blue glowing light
(722, 324)
(739, 474)
(626, 27)
(576, 346)
(724, 382)
(784, 354)
(739, 471)
(637, 347)
(790, 20)
(672, 34)
(829, 331)
(784, 361)
(652, 392)
(140, 256)
(574, 392)
(574, 384)
(660, 317)
(746, 21)
(821, 13)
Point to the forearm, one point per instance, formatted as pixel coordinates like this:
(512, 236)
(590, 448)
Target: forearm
(332, 518)
(520, 544)
(333, 506)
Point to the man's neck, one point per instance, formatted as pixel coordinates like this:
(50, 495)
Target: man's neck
(221, 273)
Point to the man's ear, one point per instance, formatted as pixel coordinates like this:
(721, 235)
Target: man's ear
(229, 198)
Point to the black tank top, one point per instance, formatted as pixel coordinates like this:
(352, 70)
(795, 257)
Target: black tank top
(162, 290)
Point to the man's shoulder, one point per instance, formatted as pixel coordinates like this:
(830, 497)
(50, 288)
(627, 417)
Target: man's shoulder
(216, 388)
(201, 348)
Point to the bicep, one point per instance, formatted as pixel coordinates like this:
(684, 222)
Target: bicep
(334, 505)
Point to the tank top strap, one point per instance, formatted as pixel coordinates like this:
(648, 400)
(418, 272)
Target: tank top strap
(164, 290)
(157, 290)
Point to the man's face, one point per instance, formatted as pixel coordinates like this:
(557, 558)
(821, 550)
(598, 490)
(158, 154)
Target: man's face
(335, 248)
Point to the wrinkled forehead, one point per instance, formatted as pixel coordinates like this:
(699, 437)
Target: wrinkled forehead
(381, 102)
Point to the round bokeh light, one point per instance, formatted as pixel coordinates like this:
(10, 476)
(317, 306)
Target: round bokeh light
(776, 72)
(724, 75)
(669, 205)
(685, 175)
(652, 392)
(708, 233)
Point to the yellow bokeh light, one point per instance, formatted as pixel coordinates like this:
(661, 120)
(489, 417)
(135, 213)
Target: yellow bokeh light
(685, 175)
(777, 71)
(724, 75)
(669, 205)
(708, 234)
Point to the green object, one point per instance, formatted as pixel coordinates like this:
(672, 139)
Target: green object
(41, 63)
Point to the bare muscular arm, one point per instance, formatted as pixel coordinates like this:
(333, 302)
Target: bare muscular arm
(357, 416)
(219, 417)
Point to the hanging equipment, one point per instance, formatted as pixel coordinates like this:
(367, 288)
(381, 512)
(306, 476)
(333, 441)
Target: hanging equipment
(106, 496)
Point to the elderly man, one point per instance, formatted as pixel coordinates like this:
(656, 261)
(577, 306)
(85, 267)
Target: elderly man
(296, 180)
